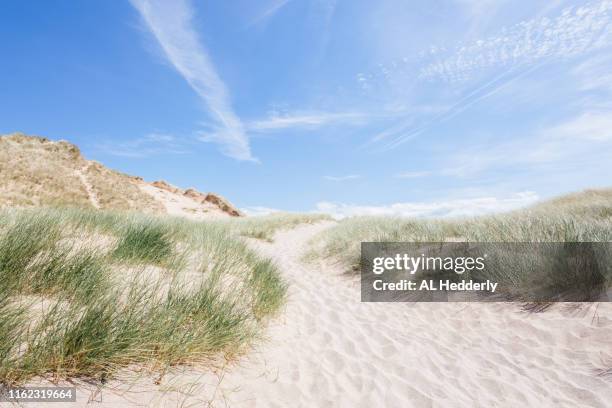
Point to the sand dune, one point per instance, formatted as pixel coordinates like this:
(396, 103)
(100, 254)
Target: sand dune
(181, 204)
(40, 172)
(91, 194)
(329, 349)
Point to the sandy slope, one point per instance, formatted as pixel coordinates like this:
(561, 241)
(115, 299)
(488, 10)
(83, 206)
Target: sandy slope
(182, 206)
(328, 349)
(91, 194)
(40, 172)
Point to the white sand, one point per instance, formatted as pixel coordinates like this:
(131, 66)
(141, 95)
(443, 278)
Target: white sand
(91, 194)
(329, 349)
(182, 206)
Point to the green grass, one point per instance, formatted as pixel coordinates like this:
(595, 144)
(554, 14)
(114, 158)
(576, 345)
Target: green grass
(148, 242)
(270, 290)
(342, 241)
(265, 227)
(585, 217)
(80, 296)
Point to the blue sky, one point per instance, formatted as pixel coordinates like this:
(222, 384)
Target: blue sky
(351, 107)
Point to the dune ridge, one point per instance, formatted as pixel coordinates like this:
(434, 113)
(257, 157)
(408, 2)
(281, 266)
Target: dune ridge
(39, 172)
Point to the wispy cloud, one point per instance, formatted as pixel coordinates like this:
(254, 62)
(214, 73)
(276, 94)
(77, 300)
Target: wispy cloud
(450, 208)
(589, 126)
(413, 174)
(259, 211)
(322, 13)
(149, 145)
(480, 13)
(575, 31)
(595, 74)
(582, 139)
(308, 120)
(495, 63)
(268, 12)
(342, 178)
(480, 8)
(170, 22)
(405, 131)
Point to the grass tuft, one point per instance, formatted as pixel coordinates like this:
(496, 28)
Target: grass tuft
(149, 242)
(78, 297)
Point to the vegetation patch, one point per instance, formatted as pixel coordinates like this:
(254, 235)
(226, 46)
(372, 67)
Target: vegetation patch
(265, 227)
(576, 218)
(148, 242)
(68, 309)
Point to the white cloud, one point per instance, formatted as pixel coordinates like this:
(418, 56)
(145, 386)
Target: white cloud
(259, 211)
(595, 74)
(149, 145)
(405, 131)
(586, 137)
(450, 208)
(413, 174)
(342, 178)
(159, 137)
(170, 22)
(575, 31)
(309, 120)
(268, 12)
(321, 15)
(478, 8)
(590, 126)
(499, 61)
(480, 14)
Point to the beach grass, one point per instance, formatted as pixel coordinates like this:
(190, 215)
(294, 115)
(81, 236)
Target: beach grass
(585, 217)
(148, 242)
(264, 227)
(84, 293)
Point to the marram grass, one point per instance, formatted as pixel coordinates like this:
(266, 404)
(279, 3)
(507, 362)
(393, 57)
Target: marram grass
(578, 218)
(264, 227)
(342, 242)
(84, 293)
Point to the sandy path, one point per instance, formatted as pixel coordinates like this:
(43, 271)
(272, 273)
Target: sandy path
(329, 349)
(332, 350)
(93, 197)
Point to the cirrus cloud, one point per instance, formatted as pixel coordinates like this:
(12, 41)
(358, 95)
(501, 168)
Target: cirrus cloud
(170, 22)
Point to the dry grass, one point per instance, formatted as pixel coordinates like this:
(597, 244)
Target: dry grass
(39, 172)
(26, 180)
(578, 217)
(265, 227)
(117, 191)
(582, 217)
